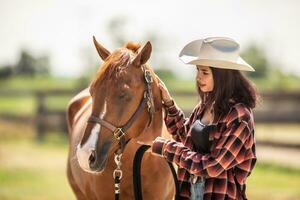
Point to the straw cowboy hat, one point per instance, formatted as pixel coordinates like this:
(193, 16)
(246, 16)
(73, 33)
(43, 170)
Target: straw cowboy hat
(219, 52)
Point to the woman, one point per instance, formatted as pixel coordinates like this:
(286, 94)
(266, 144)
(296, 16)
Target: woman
(227, 100)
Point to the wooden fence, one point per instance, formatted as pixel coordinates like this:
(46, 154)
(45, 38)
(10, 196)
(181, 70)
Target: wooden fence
(279, 107)
(44, 118)
(274, 107)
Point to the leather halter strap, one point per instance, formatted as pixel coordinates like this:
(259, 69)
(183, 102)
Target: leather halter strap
(119, 132)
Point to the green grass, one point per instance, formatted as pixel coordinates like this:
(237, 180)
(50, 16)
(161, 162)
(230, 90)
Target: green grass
(279, 81)
(26, 105)
(31, 184)
(180, 85)
(30, 170)
(38, 83)
(34, 170)
(269, 181)
(186, 102)
(58, 102)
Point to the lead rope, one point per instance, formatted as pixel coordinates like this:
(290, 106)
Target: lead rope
(137, 184)
(117, 175)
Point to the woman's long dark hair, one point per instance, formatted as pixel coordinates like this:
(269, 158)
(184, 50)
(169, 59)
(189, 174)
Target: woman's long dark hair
(229, 85)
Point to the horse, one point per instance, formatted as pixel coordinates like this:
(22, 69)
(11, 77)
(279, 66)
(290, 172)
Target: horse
(109, 120)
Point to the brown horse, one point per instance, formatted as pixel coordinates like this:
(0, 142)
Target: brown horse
(117, 92)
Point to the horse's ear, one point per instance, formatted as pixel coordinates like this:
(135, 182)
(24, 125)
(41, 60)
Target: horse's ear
(103, 53)
(143, 55)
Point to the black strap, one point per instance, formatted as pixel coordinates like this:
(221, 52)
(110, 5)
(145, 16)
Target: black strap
(177, 197)
(117, 187)
(137, 185)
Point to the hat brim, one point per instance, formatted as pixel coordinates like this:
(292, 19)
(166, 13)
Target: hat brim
(240, 64)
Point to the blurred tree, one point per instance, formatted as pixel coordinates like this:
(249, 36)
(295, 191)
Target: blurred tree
(267, 76)
(158, 58)
(43, 65)
(117, 30)
(6, 71)
(25, 65)
(29, 65)
(121, 32)
(256, 57)
(91, 61)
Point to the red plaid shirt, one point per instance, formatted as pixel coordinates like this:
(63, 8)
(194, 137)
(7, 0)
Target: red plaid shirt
(232, 153)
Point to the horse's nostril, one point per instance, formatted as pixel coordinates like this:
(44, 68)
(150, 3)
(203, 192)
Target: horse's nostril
(92, 157)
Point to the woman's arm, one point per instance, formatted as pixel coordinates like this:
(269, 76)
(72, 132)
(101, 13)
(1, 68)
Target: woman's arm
(235, 146)
(176, 123)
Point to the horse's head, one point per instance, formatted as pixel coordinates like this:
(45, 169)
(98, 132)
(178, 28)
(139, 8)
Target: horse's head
(125, 95)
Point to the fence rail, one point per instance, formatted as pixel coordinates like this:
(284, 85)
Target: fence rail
(276, 107)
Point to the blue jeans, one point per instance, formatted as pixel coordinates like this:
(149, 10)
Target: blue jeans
(197, 189)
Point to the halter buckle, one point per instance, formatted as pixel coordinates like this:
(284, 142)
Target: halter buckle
(118, 133)
(117, 174)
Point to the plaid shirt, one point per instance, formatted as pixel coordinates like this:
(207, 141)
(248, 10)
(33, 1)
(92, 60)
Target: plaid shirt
(232, 153)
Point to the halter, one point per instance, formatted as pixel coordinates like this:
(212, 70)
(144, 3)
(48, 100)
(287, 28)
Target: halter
(120, 132)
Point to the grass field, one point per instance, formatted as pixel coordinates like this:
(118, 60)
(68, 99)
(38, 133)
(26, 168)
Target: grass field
(32, 170)
(38, 83)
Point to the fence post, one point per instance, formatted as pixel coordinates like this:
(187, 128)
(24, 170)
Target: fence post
(40, 115)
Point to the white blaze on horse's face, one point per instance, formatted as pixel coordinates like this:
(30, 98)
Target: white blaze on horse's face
(85, 151)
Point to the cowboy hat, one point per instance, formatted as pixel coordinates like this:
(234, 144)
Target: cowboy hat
(219, 52)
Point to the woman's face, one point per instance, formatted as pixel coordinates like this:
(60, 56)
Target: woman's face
(205, 78)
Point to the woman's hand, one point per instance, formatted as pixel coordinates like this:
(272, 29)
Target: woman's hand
(158, 149)
(166, 97)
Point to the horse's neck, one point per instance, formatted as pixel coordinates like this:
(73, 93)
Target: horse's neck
(154, 130)
(156, 125)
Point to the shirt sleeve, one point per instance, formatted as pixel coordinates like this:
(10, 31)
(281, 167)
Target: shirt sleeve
(233, 147)
(177, 124)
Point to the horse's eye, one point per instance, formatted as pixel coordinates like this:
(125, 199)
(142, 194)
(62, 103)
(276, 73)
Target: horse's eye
(124, 96)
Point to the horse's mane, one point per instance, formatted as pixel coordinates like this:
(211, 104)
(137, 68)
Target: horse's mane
(116, 62)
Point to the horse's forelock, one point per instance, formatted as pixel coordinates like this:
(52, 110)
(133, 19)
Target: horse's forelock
(133, 46)
(113, 66)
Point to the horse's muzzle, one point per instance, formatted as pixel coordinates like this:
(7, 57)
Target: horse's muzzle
(97, 159)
